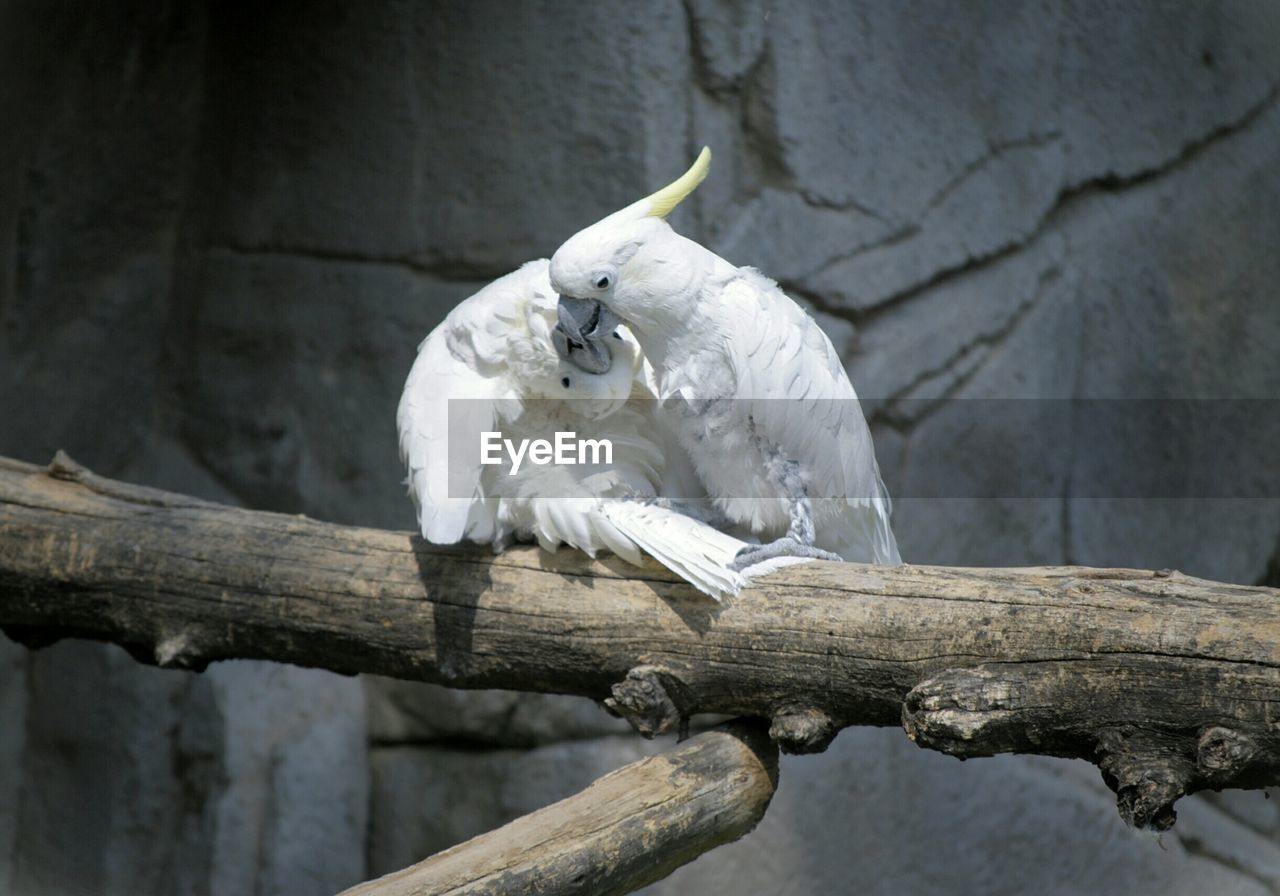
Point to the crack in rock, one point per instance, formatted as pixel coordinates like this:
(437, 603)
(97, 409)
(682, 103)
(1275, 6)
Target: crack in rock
(1066, 198)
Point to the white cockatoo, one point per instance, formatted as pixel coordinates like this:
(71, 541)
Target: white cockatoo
(495, 365)
(757, 394)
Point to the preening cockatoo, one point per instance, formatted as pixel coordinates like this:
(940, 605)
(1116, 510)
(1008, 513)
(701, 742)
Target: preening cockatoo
(494, 365)
(756, 392)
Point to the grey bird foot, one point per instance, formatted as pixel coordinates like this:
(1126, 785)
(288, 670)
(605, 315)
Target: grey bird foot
(786, 546)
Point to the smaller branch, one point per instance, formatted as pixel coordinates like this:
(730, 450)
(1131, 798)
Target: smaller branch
(628, 829)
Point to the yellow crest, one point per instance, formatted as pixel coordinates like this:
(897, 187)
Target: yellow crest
(663, 201)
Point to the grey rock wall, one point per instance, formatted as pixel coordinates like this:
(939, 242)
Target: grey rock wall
(224, 228)
(910, 822)
(13, 704)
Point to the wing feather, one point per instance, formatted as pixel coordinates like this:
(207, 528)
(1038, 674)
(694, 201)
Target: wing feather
(457, 389)
(691, 549)
(800, 397)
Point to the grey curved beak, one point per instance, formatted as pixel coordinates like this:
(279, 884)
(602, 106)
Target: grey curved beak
(585, 319)
(581, 334)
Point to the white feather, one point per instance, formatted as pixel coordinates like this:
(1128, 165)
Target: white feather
(690, 548)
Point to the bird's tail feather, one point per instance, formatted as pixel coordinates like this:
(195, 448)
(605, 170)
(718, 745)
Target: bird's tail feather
(883, 545)
(690, 548)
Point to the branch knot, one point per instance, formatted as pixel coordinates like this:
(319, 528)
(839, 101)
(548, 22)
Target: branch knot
(803, 730)
(653, 699)
(1223, 752)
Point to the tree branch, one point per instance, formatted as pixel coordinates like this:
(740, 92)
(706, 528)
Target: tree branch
(1170, 684)
(628, 829)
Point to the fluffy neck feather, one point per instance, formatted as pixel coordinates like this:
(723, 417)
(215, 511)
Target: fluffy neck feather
(662, 283)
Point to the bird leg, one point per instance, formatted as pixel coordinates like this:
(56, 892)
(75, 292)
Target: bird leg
(798, 542)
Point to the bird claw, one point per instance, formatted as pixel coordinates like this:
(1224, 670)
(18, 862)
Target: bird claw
(786, 546)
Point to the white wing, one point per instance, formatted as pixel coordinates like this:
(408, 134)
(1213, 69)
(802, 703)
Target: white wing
(464, 360)
(801, 399)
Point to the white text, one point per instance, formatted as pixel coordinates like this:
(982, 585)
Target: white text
(566, 449)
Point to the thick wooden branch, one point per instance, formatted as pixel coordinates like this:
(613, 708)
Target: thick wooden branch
(1169, 684)
(628, 829)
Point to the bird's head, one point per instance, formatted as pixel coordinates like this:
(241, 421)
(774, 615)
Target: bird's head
(598, 395)
(628, 267)
(543, 367)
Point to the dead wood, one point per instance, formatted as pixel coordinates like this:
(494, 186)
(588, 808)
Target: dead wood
(1168, 683)
(626, 830)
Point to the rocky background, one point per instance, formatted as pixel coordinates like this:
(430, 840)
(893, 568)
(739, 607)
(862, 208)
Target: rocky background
(224, 228)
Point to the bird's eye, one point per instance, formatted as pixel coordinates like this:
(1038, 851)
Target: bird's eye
(602, 282)
(617, 335)
(565, 382)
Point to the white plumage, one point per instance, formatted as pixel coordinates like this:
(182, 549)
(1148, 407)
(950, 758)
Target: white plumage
(495, 351)
(754, 389)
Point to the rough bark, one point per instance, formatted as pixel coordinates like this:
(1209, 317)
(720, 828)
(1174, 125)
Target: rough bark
(628, 829)
(1168, 683)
